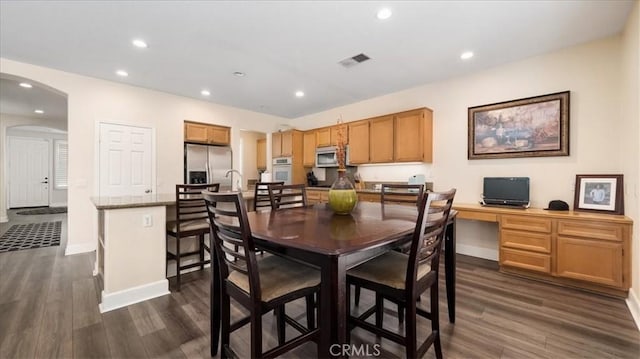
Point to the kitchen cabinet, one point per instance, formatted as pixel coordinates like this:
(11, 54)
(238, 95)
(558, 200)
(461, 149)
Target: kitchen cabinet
(282, 144)
(323, 137)
(412, 136)
(381, 139)
(261, 154)
(591, 251)
(576, 249)
(334, 130)
(289, 144)
(317, 196)
(203, 133)
(359, 142)
(525, 242)
(309, 149)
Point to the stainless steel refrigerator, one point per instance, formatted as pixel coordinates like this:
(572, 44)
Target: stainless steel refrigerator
(207, 164)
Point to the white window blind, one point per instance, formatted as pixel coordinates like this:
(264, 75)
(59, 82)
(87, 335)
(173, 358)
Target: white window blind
(60, 166)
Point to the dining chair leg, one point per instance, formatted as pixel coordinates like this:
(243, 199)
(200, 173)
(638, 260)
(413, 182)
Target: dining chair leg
(379, 310)
(177, 264)
(311, 312)
(410, 330)
(348, 314)
(400, 313)
(435, 320)
(256, 333)
(201, 240)
(357, 298)
(225, 318)
(281, 328)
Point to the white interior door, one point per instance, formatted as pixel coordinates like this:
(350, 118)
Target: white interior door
(28, 172)
(125, 160)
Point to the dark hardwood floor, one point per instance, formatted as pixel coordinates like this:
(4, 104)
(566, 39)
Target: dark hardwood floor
(49, 309)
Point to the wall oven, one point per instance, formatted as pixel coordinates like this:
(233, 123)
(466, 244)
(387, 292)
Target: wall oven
(328, 156)
(282, 170)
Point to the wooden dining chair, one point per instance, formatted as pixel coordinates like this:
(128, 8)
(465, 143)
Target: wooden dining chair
(191, 221)
(288, 196)
(402, 278)
(258, 284)
(398, 194)
(401, 193)
(261, 199)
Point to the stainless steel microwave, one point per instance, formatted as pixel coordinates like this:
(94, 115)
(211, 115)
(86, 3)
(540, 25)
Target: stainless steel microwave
(328, 156)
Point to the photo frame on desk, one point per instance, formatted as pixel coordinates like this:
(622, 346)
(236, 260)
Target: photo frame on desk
(599, 193)
(529, 127)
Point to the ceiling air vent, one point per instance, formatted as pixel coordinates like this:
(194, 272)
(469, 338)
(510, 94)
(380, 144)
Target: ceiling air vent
(354, 60)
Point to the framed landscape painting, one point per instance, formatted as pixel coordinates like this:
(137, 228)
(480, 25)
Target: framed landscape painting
(530, 127)
(600, 193)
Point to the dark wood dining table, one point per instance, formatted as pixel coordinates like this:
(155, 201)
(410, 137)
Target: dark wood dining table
(335, 243)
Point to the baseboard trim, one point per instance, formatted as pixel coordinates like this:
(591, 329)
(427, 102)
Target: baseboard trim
(4, 219)
(633, 302)
(133, 295)
(60, 204)
(473, 251)
(79, 248)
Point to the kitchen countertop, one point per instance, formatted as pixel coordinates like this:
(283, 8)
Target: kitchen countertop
(366, 190)
(148, 200)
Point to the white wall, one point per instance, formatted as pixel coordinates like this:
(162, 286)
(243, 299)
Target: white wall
(590, 71)
(630, 146)
(92, 100)
(249, 152)
(57, 197)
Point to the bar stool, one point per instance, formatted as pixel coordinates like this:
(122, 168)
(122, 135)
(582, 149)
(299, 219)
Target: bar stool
(191, 221)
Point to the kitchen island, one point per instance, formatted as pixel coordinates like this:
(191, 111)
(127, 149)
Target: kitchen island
(131, 251)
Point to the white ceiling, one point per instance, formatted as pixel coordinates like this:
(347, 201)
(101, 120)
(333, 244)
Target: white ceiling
(17, 100)
(285, 46)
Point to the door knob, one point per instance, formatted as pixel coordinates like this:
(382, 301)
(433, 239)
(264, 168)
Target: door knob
(147, 191)
(45, 182)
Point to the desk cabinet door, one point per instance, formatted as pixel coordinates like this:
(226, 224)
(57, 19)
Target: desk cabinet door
(590, 260)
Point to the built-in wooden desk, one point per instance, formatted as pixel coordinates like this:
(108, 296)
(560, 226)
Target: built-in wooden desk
(581, 249)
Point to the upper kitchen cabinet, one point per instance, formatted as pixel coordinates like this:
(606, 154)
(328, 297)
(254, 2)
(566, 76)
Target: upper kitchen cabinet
(359, 142)
(282, 143)
(323, 137)
(413, 136)
(261, 154)
(309, 149)
(381, 139)
(328, 136)
(195, 132)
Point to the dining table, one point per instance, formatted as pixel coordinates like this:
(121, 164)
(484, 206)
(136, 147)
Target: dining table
(334, 243)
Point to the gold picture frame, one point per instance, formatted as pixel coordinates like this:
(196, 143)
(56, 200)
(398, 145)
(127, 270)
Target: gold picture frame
(529, 127)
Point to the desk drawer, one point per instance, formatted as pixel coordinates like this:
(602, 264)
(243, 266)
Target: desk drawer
(530, 241)
(526, 223)
(592, 230)
(477, 216)
(537, 262)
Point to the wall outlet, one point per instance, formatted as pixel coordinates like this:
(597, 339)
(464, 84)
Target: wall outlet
(147, 220)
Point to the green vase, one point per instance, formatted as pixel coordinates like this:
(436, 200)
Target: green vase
(342, 195)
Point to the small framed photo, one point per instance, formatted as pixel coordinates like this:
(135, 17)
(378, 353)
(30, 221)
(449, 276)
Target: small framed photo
(600, 193)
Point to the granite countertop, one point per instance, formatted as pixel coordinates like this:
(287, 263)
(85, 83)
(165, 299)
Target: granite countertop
(148, 200)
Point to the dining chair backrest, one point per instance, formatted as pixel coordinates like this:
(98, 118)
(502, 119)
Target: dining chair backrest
(261, 199)
(232, 241)
(288, 196)
(433, 215)
(190, 204)
(402, 193)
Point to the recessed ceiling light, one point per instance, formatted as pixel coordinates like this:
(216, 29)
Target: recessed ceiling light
(384, 14)
(299, 94)
(239, 73)
(139, 43)
(205, 93)
(122, 73)
(39, 111)
(26, 85)
(466, 55)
